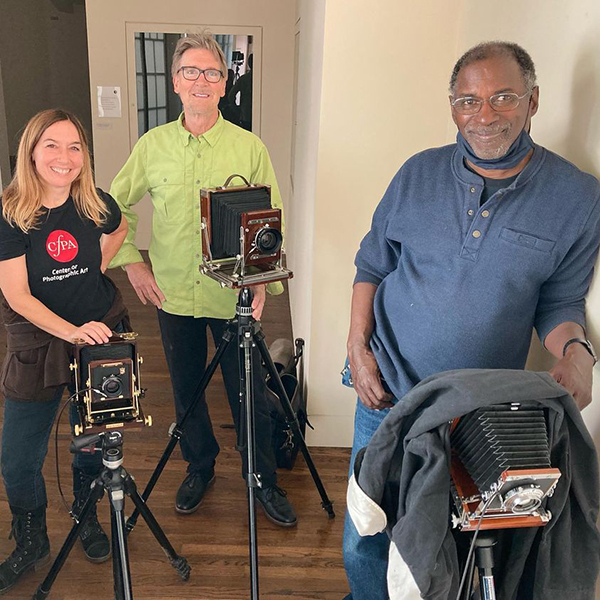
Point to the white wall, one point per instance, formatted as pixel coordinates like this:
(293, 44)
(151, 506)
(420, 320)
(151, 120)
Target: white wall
(310, 19)
(383, 98)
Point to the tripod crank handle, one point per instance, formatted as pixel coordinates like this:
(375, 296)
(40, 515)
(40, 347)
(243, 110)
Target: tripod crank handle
(328, 508)
(175, 431)
(253, 480)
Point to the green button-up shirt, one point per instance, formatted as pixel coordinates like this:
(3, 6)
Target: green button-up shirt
(173, 166)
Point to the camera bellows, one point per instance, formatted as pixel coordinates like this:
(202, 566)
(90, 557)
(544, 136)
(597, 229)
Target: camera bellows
(491, 440)
(500, 467)
(241, 235)
(227, 208)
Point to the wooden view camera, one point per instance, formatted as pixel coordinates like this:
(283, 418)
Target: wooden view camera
(107, 385)
(241, 235)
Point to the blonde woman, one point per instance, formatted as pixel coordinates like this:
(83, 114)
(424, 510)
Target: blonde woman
(57, 235)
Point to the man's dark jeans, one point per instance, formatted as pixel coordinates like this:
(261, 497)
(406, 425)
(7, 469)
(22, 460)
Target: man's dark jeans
(185, 344)
(25, 433)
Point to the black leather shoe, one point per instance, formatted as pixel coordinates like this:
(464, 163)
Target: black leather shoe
(191, 492)
(276, 506)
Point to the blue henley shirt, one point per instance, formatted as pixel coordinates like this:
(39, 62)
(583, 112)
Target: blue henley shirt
(462, 286)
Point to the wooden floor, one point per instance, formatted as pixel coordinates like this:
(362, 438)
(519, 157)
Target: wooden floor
(300, 563)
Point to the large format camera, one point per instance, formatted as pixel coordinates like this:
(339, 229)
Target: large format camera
(107, 384)
(501, 471)
(241, 235)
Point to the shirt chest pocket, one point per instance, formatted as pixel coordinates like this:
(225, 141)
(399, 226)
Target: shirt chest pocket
(531, 257)
(526, 240)
(168, 196)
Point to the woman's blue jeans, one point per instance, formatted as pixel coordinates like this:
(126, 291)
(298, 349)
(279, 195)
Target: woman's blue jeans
(365, 558)
(25, 433)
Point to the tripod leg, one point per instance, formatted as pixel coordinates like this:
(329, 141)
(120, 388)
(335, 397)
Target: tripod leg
(176, 431)
(116, 558)
(484, 557)
(292, 421)
(252, 478)
(179, 563)
(121, 572)
(44, 588)
(253, 541)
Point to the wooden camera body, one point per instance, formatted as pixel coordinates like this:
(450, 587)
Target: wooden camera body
(107, 384)
(241, 236)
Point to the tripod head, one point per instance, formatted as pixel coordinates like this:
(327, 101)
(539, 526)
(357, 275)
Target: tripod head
(244, 303)
(112, 446)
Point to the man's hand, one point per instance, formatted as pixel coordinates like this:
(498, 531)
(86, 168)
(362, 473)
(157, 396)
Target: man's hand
(258, 301)
(143, 282)
(574, 373)
(366, 378)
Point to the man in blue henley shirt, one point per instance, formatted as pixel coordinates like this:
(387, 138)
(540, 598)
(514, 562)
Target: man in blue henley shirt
(472, 246)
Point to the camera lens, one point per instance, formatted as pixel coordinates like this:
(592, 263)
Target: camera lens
(524, 498)
(268, 241)
(111, 386)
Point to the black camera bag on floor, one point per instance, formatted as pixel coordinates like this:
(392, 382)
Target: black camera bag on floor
(288, 361)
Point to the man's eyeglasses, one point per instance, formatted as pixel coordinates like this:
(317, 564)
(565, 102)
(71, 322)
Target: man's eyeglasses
(470, 105)
(192, 73)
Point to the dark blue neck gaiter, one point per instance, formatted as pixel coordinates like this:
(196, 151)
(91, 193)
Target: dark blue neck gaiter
(516, 153)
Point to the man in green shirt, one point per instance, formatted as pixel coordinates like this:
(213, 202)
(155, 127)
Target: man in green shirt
(173, 162)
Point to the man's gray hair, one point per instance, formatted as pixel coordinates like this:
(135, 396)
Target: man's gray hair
(487, 50)
(204, 41)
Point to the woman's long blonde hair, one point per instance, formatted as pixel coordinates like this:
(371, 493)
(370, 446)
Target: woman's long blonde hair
(22, 200)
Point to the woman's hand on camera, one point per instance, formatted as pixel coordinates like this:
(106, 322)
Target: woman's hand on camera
(366, 378)
(143, 282)
(92, 332)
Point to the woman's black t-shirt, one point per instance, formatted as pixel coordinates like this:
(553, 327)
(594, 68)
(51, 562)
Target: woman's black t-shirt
(63, 260)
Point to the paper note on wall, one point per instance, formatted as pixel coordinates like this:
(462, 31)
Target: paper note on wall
(109, 101)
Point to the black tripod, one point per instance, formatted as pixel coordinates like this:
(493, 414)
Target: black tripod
(115, 479)
(247, 331)
(483, 559)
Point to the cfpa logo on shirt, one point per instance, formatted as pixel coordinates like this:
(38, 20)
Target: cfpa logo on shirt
(62, 246)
